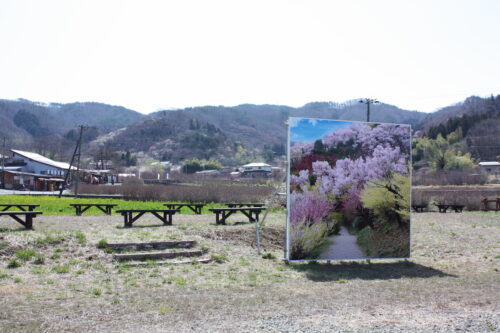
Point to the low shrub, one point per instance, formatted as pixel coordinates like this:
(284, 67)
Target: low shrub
(268, 256)
(102, 244)
(469, 196)
(453, 177)
(14, 263)
(202, 193)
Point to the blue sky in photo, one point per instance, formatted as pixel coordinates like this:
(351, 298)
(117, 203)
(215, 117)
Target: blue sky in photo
(310, 129)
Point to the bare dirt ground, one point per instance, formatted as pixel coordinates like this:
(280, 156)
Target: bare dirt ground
(67, 284)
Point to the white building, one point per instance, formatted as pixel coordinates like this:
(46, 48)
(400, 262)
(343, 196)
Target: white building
(490, 167)
(38, 164)
(256, 170)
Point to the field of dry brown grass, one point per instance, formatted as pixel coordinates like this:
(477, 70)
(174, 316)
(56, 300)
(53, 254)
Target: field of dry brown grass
(63, 282)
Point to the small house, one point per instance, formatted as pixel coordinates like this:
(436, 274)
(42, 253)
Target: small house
(490, 167)
(253, 170)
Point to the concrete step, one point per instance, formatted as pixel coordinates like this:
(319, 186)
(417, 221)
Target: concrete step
(158, 255)
(171, 262)
(142, 246)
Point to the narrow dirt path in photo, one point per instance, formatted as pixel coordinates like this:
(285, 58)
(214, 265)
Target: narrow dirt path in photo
(344, 246)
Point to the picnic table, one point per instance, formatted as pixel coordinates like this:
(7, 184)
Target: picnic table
(196, 208)
(442, 208)
(457, 208)
(165, 215)
(419, 208)
(235, 205)
(221, 214)
(485, 203)
(82, 207)
(27, 222)
(22, 207)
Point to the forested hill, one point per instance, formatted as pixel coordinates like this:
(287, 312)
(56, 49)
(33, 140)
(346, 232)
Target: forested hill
(476, 122)
(230, 134)
(471, 106)
(245, 130)
(21, 121)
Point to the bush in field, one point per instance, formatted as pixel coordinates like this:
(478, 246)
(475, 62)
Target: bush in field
(452, 177)
(186, 193)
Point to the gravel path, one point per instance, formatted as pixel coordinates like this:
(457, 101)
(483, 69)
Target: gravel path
(343, 246)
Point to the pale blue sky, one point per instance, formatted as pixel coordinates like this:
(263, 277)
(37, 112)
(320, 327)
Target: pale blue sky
(310, 130)
(147, 55)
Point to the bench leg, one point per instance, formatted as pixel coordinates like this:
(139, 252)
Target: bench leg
(29, 222)
(127, 217)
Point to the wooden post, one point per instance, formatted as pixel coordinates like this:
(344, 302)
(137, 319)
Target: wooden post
(257, 234)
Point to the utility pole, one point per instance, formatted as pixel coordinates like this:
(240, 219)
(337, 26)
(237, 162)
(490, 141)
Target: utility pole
(76, 153)
(3, 163)
(368, 101)
(78, 161)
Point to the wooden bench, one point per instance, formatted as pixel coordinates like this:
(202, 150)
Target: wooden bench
(221, 214)
(236, 205)
(81, 208)
(165, 215)
(485, 203)
(22, 207)
(196, 208)
(419, 208)
(442, 208)
(28, 217)
(457, 208)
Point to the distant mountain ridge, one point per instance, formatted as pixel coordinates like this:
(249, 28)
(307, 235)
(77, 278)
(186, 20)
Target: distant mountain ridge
(247, 128)
(23, 119)
(229, 134)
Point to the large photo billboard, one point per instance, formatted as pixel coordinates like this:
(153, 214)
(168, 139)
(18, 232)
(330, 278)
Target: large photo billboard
(349, 190)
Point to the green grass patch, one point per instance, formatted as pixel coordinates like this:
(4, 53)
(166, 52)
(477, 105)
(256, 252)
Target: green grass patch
(81, 238)
(26, 254)
(49, 240)
(52, 205)
(63, 269)
(219, 257)
(96, 292)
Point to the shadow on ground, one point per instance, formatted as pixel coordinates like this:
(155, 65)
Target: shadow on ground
(8, 230)
(374, 271)
(143, 226)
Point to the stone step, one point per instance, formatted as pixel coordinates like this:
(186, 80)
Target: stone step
(158, 255)
(171, 262)
(141, 246)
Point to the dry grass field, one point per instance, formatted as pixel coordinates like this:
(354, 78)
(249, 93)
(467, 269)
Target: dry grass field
(55, 279)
